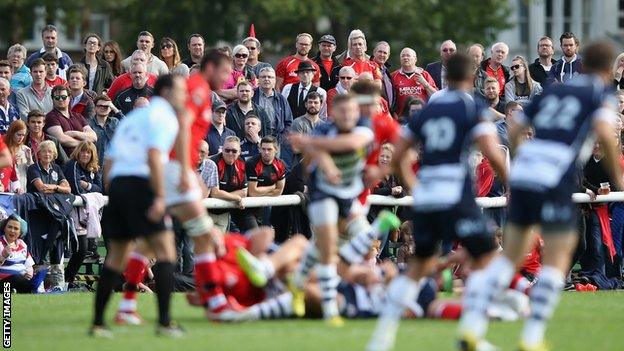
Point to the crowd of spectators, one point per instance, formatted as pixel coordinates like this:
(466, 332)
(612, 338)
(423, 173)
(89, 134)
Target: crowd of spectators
(58, 117)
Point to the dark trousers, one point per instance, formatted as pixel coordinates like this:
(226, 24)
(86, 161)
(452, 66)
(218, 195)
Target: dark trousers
(244, 219)
(79, 251)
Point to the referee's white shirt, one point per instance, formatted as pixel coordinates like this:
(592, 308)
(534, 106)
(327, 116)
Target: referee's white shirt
(153, 126)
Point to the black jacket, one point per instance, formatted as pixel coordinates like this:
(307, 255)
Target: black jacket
(235, 119)
(537, 71)
(328, 80)
(103, 76)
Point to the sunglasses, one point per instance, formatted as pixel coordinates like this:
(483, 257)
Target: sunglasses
(230, 151)
(448, 50)
(515, 67)
(347, 78)
(167, 46)
(60, 97)
(241, 55)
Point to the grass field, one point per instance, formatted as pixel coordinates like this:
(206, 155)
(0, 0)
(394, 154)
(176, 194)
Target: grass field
(584, 322)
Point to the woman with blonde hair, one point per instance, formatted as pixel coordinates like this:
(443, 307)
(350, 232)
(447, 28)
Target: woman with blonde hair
(45, 176)
(618, 69)
(171, 57)
(521, 88)
(83, 169)
(15, 139)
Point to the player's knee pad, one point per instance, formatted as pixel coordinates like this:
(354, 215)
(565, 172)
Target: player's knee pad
(323, 212)
(198, 226)
(356, 226)
(478, 245)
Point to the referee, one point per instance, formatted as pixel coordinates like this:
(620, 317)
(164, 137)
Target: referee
(133, 173)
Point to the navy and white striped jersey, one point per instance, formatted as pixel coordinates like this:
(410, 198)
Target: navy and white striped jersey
(446, 129)
(562, 118)
(351, 164)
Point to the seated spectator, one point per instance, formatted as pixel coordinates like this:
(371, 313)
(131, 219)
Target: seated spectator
(389, 185)
(81, 100)
(306, 123)
(83, 169)
(511, 108)
(21, 77)
(124, 81)
(521, 88)
(250, 146)
(16, 264)
(8, 110)
(51, 67)
(218, 132)
(236, 112)
(99, 73)
(207, 170)
(265, 172)
(22, 155)
(140, 102)
(170, 55)
(104, 124)
(37, 96)
(45, 176)
(68, 127)
(346, 78)
(139, 88)
(36, 122)
(6, 73)
(232, 187)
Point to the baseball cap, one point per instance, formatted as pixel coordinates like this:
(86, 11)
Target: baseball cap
(217, 104)
(328, 38)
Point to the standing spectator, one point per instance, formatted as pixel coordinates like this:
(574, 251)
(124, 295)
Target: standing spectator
(476, 52)
(232, 187)
(207, 170)
(356, 56)
(295, 93)
(37, 96)
(236, 112)
(81, 100)
(22, 155)
(544, 62)
(437, 69)
(52, 79)
(493, 67)
(570, 63)
(104, 124)
(170, 55)
(511, 108)
(253, 47)
(411, 80)
(16, 263)
(49, 38)
(250, 146)
(195, 45)
(286, 69)
(111, 53)
(68, 127)
(265, 172)
(381, 54)
(306, 123)
(240, 72)
(124, 81)
(21, 73)
(492, 96)
(8, 111)
(618, 69)
(6, 73)
(346, 78)
(275, 104)
(99, 75)
(327, 62)
(36, 122)
(139, 88)
(145, 43)
(218, 132)
(521, 88)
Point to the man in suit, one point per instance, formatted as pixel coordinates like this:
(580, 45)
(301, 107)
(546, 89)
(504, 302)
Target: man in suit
(437, 69)
(295, 93)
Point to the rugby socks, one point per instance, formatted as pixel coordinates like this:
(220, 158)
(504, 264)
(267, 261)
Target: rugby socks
(481, 287)
(401, 292)
(328, 282)
(544, 298)
(310, 258)
(278, 307)
(163, 274)
(207, 281)
(105, 285)
(521, 284)
(354, 251)
(134, 274)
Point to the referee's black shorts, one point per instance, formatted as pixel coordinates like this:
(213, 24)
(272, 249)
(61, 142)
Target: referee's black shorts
(125, 216)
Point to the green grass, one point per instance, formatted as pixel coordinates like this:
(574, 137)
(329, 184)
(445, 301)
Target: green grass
(584, 321)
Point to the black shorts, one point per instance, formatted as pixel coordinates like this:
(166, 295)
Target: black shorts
(553, 209)
(463, 222)
(125, 216)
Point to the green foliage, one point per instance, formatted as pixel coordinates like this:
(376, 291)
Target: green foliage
(420, 24)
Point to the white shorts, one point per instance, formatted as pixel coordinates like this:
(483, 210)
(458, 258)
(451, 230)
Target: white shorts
(172, 179)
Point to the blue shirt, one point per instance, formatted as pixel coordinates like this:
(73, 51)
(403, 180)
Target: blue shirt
(21, 78)
(215, 140)
(249, 149)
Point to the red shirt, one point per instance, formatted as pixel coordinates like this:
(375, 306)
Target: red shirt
(233, 280)
(405, 86)
(361, 66)
(57, 81)
(328, 65)
(500, 77)
(386, 130)
(533, 260)
(287, 66)
(124, 81)
(7, 174)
